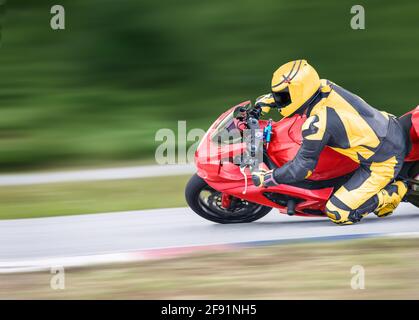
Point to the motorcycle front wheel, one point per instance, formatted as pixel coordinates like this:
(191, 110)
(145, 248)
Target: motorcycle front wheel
(206, 202)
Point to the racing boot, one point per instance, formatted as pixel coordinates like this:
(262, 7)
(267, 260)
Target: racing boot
(389, 198)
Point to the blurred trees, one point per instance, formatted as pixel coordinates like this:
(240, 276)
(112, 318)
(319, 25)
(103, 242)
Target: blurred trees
(100, 89)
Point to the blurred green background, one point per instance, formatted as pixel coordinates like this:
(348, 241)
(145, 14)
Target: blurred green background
(98, 91)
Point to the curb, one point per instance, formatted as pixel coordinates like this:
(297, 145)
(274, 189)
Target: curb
(37, 265)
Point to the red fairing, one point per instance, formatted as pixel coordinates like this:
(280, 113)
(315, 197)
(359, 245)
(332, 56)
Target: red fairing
(215, 165)
(414, 136)
(286, 141)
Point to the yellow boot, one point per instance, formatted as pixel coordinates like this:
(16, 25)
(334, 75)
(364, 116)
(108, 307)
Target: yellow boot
(389, 198)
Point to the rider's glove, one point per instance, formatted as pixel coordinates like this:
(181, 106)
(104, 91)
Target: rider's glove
(265, 102)
(264, 179)
(256, 112)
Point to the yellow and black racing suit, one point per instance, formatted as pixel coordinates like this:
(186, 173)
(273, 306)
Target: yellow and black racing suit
(346, 123)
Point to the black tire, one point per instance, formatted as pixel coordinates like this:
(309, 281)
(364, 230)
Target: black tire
(412, 197)
(242, 212)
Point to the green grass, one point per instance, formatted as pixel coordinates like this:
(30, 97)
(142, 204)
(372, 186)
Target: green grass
(58, 199)
(300, 271)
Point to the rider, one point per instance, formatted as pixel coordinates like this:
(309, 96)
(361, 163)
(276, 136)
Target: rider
(345, 122)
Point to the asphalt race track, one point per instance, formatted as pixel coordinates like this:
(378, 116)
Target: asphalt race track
(167, 228)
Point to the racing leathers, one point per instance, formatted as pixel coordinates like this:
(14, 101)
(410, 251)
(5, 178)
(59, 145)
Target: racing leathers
(346, 123)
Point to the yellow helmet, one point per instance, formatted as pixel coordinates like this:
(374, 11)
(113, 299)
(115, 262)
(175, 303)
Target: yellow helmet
(293, 84)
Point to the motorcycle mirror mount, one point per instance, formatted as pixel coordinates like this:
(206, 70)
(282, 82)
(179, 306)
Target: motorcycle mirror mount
(241, 111)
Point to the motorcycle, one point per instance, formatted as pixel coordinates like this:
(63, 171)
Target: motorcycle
(222, 190)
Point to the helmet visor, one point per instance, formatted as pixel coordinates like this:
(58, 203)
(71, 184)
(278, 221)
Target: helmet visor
(282, 98)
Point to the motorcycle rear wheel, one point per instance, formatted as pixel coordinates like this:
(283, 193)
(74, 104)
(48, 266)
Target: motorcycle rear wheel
(413, 196)
(206, 202)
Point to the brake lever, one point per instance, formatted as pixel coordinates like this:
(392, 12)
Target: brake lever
(242, 170)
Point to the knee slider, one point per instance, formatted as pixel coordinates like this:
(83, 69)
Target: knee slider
(342, 216)
(336, 214)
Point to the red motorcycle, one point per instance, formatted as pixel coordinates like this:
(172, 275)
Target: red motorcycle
(222, 190)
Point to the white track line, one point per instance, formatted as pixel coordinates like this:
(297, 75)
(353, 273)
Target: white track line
(96, 174)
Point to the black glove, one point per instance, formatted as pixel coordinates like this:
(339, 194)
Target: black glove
(263, 178)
